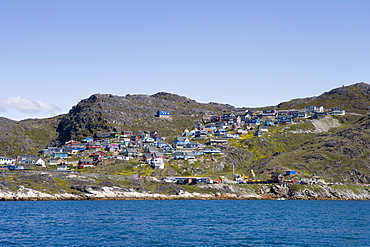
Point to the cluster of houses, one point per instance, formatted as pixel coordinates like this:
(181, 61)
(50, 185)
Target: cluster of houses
(272, 116)
(151, 148)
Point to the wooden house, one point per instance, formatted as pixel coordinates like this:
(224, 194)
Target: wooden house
(57, 161)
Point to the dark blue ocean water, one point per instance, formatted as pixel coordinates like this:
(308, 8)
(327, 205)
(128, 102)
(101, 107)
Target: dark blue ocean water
(185, 223)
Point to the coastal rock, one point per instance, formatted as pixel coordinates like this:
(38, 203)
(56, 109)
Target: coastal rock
(281, 190)
(24, 193)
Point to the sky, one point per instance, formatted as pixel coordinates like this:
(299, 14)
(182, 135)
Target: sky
(245, 53)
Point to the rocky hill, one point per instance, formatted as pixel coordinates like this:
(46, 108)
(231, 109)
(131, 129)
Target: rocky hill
(337, 150)
(105, 112)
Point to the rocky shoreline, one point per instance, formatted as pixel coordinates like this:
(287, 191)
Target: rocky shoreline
(226, 192)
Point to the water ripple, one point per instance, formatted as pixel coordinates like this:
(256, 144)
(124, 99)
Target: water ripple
(185, 223)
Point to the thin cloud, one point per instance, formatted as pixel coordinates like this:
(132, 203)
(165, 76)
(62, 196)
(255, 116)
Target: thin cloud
(28, 106)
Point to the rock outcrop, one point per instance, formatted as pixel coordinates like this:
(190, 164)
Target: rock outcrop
(91, 187)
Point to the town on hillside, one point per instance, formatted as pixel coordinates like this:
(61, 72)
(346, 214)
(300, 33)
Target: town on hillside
(154, 150)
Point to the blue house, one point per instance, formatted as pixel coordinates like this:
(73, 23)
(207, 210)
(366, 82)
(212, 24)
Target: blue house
(167, 149)
(88, 139)
(13, 167)
(191, 145)
(78, 147)
(161, 143)
(254, 121)
(211, 151)
(60, 155)
(198, 152)
(269, 122)
(220, 132)
(181, 141)
(290, 172)
(299, 115)
(184, 155)
(284, 119)
(163, 114)
(319, 115)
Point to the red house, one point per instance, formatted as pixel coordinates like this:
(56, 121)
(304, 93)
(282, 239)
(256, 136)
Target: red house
(85, 163)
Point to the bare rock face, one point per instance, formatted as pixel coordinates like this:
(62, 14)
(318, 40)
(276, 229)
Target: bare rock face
(280, 190)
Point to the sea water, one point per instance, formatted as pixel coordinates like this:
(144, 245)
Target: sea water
(185, 223)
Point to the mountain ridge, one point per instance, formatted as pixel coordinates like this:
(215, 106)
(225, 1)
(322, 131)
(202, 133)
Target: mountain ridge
(125, 111)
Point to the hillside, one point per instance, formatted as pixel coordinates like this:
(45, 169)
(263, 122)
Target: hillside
(336, 149)
(339, 155)
(105, 112)
(354, 98)
(26, 136)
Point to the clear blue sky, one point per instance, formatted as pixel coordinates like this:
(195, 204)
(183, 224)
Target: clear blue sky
(245, 53)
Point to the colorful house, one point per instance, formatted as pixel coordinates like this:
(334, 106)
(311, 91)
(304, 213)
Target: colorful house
(99, 155)
(268, 122)
(253, 121)
(57, 161)
(60, 155)
(337, 111)
(130, 152)
(220, 132)
(85, 163)
(127, 133)
(163, 114)
(269, 113)
(319, 115)
(184, 155)
(181, 141)
(113, 148)
(88, 139)
(284, 119)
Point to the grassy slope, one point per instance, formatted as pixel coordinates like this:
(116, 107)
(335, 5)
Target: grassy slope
(27, 136)
(339, 155)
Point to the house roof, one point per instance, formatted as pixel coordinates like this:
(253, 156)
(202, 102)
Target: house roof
(87, 160)
(152, 149)
(57, 160)
(182, 139)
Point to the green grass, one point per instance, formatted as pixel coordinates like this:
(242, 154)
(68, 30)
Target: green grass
(355, 188)
(306, 126)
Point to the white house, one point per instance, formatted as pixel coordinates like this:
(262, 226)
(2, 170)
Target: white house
(157, 163)
(262, 131)
(40, 162)
(315, 109)
(337, 111)
(62, 167)
(6, 161)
